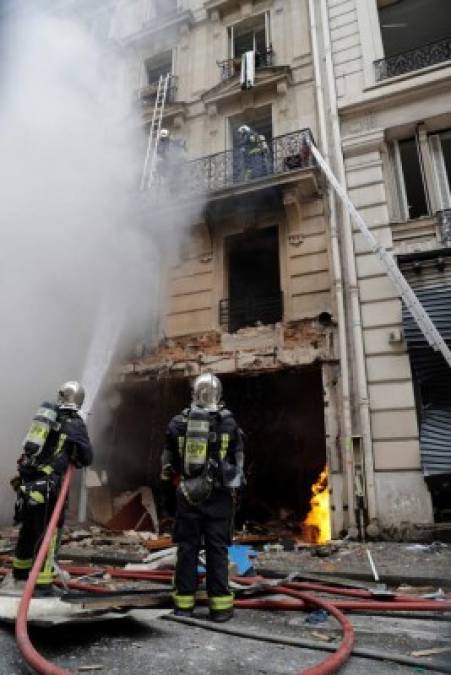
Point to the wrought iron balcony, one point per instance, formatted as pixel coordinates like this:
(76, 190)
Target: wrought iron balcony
(414, 59)
(284, 154)
(148, 94)
(250, 312)
(232, 67)
(444, 223)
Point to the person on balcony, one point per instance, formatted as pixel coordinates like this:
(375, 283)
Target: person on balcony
(254, 155)
(170, 160)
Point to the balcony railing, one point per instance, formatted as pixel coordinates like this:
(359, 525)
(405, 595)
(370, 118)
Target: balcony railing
(444, 224)
(232, 67)
(284, 154)
(414, 59)
(148, 94)
(250, 312)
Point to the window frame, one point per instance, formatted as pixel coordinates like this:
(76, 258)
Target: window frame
(440, 173)
(401, 211)
(231, 32)
(143, 76)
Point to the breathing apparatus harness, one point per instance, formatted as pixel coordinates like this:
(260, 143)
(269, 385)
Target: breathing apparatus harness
(37, 481)
(204, 454)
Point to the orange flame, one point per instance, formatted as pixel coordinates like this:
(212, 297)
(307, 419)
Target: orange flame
(316, 527)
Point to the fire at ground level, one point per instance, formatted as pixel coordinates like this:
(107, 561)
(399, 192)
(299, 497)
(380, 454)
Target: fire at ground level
(282, 415)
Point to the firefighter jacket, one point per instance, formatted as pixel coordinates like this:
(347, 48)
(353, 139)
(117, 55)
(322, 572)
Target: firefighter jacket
(192, 440)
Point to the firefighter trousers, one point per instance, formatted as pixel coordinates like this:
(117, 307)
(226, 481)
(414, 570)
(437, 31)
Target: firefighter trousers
(31, 534)
(210, 523)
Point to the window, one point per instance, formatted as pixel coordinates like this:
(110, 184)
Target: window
(251, 35)
(407, 24)
(411, 197)
(254, 279)
(441, 152)
(157, 66)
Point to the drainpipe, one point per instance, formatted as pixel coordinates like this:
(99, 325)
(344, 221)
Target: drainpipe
(348, 251)
(338, 282)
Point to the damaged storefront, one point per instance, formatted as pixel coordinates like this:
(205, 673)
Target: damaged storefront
(282, 413)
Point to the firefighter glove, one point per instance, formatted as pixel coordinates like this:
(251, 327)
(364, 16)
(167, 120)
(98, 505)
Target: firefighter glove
(34, 493)
(15, 483)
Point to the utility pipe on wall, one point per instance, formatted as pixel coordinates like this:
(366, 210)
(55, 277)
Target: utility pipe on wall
(348, 250)
(338, 281)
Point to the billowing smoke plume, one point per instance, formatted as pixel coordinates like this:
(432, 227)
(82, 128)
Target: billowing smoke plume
(69, 163)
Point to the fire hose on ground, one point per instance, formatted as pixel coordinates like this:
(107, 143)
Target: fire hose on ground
(30, 654)
(299, 598)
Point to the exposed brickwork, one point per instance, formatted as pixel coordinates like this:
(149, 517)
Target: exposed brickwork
(259, 348)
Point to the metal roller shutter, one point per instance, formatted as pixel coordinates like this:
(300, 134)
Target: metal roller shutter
(430, 277)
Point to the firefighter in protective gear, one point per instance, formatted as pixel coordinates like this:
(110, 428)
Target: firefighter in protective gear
(253, 153)
(170, 160)
(204, 454)
(57, 436)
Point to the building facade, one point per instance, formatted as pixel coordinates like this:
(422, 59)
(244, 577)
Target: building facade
(390, 64)
(274, 288)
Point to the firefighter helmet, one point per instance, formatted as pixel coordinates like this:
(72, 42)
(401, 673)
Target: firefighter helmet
(71, 396)
(244, 130)
(207, 391)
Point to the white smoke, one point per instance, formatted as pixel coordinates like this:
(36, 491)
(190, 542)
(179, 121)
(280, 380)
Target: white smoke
(70, 161)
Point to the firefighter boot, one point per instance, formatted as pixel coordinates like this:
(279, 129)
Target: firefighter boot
(221, 616)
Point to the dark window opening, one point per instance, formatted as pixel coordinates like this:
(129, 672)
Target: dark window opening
(158, 66)
(253, 41)
(249, 35)
(417, 203)
(255, 296)
(408, 24)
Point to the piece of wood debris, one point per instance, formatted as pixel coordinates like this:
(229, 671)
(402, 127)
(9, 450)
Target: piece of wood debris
(431, 652)
(158, 544)
(414, 590)
(96, 666)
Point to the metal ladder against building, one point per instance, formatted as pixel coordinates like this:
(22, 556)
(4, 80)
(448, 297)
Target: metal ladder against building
(388, 262)
(154, 133)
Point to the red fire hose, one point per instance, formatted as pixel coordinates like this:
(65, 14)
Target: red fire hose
(333, 662)
(32, 657)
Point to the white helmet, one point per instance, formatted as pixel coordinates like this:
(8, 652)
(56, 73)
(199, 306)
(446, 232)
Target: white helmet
(164, 133)
(71, 396)
(207, 391)
(244, 130)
